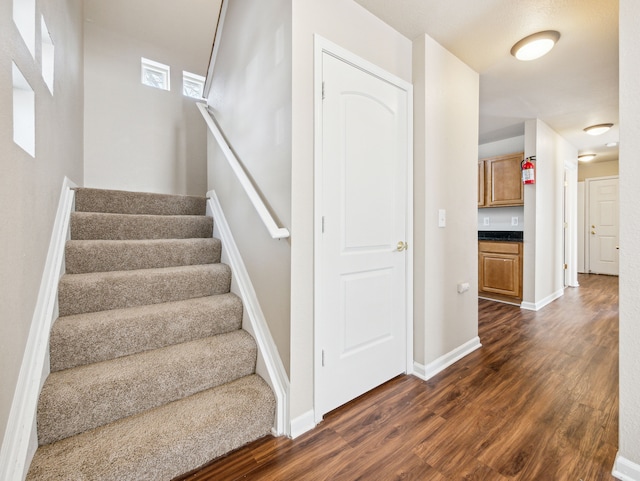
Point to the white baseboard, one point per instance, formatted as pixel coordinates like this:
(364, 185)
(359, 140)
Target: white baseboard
(269, 364)
(536, 306)
(302, 424)
(427, 372)
(625, 470)
(20, 437)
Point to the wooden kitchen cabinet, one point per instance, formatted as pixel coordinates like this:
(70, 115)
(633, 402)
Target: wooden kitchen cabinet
(501, 181)
(481, 183)
(500, 270)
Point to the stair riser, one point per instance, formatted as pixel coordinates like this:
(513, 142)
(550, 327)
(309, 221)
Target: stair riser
(102, 256)
(81, 293)
(121, 202)
(163, 443)
(93, 226)
(81, 399)
(100, 336)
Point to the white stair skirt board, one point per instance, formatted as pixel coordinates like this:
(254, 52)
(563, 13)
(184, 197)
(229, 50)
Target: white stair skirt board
(269, 365)
(302, 424)
(20, 437)
(531, 306)
(427, 372)
(625, 470)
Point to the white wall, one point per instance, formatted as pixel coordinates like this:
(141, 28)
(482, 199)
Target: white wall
(500, 218)
(629, 448)
(588, 170)
(445, 177)
(543, 278)
(251, 98)
(138, 137)
(581, 227)
(349, 25)
(30, 187)
(501, 147)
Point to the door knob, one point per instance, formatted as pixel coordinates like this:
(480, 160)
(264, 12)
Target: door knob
(401, 246)
(593, 232)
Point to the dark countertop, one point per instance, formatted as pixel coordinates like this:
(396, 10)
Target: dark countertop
(504, 235)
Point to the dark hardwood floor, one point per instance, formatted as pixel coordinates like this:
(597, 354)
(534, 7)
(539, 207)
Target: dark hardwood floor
(539, 401)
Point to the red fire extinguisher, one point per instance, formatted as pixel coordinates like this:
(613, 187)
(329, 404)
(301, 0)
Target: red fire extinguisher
(528, 170)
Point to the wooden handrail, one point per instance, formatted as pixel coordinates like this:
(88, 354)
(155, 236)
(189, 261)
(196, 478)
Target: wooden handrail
(266, 217)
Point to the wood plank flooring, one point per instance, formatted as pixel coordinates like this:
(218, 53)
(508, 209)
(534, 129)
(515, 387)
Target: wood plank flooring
(539, 401)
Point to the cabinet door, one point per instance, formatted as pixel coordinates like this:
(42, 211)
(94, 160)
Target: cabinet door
(499, 274)
(481, 202)
(503, 180)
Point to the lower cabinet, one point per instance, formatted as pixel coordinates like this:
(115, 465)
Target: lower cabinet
(500, 270)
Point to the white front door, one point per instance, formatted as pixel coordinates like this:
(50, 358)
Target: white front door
(603, 226)
(362, 316)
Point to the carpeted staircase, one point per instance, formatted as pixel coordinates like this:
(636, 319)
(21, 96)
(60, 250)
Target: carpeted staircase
(152, 375)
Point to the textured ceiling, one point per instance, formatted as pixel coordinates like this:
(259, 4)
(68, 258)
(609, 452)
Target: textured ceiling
(574, 86)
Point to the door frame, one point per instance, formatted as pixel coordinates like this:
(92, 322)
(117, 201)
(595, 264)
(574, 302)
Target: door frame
(587, 217)
(322, 46)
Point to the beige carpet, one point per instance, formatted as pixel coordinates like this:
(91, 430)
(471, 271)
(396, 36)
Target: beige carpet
(151, 373)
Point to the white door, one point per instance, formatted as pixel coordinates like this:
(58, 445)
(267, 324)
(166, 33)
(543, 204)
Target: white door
(603, 226)
(362, 322)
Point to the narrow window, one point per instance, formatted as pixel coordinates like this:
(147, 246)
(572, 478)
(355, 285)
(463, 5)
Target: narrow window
(24, 16)
(192, 85)
(155, 74)
(48, 56)
(24, 119)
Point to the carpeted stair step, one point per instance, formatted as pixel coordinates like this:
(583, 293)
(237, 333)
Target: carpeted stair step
(122, 202)
(79, 399)
(82, 256)
(99, 336)
(147, 447)
(99, 291)
(98, 226)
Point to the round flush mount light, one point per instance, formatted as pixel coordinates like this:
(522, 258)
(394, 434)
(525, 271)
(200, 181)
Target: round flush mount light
(536, 45)
(586, 157)
(598, 129)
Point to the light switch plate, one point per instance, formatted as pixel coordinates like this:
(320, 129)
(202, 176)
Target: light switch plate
(485, 221)
(442, 218)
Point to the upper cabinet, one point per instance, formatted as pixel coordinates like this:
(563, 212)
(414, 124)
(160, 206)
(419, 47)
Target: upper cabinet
(499, 181)
(481, 183)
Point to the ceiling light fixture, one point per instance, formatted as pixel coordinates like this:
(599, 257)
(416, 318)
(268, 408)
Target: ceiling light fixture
(611, 144)
(586, 157)
(598, 129)
(536, 45)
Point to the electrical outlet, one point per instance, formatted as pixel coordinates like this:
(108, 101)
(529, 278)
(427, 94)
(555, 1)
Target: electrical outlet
(514, 221)
(485, 221)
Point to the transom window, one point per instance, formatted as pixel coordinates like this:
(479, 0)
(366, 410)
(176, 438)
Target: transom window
(192, 85)
(155, 74)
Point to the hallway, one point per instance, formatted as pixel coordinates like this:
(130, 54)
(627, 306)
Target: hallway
(539, 401)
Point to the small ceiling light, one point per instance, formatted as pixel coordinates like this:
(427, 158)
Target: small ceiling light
(586, 157)
(598, 129)
(536, 45)
(611, 144)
